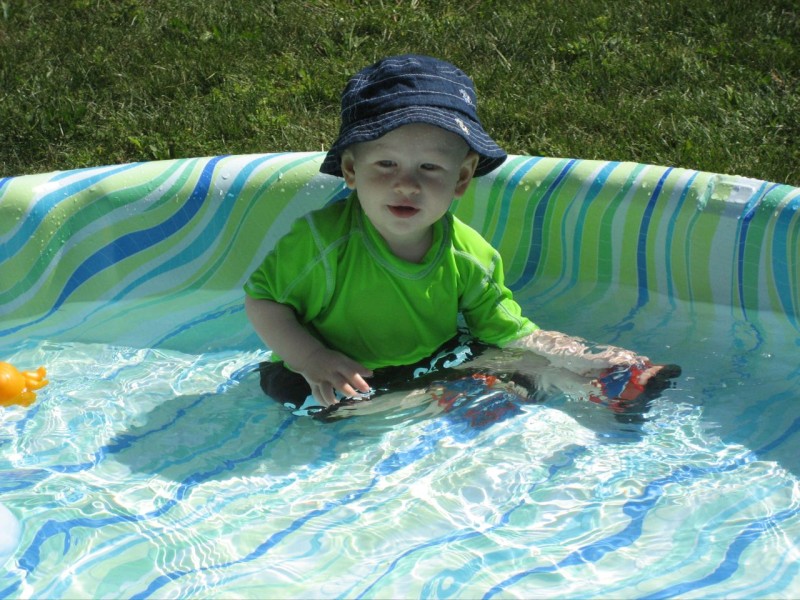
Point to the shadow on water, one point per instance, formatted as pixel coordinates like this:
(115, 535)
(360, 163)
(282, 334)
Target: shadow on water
(234, 433)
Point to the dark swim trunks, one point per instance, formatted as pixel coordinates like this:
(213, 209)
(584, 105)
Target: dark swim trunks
(453, 383)
(292, 390)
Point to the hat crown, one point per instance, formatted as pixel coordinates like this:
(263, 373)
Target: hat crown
(407, 89)
(405, 81)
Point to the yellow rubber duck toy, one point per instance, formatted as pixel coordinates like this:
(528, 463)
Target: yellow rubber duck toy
(18, 387)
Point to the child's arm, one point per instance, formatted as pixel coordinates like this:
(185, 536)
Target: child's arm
(323, 368)
(575, 354)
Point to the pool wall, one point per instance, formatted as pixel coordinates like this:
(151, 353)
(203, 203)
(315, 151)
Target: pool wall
(85, 253)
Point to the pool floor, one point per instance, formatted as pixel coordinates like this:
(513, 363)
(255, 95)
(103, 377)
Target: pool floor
(152, 473)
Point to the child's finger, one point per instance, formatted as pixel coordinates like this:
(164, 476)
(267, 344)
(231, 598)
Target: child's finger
(324, 394)
(360, 383)
(354, 390)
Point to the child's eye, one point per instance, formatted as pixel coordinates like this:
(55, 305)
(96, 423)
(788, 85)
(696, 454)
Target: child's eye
(386, 164)
(429, 167)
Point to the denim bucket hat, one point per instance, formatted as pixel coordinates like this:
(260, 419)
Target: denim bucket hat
(408, 89)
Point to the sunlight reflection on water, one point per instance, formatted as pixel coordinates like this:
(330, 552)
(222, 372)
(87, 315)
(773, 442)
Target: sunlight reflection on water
(158, 472)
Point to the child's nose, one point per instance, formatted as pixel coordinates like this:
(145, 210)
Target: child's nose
(406, 183)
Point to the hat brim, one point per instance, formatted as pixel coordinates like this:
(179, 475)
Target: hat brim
(490, 154)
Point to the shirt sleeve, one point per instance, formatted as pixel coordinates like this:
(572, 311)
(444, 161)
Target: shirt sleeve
(488, 306)
(292, 273)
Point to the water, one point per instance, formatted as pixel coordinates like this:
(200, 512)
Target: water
(161, 473)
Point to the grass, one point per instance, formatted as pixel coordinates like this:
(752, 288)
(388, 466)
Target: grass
(705, 84)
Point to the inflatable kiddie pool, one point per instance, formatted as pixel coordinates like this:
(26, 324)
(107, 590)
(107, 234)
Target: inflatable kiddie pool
(152, 465)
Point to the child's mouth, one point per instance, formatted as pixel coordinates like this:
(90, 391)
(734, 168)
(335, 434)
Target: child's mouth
(403, 211)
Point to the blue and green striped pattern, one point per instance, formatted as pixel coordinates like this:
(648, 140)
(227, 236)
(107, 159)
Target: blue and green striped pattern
(118, 237)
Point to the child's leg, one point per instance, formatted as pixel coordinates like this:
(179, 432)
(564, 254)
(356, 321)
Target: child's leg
(523, 374)
(620, 388)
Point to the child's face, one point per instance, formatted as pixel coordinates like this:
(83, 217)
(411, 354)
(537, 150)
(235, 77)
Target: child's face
(407, 179)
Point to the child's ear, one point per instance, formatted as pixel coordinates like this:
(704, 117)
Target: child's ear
(349, 168)
(466, 172)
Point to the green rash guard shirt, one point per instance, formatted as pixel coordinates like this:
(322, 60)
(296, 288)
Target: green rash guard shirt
(345, 285)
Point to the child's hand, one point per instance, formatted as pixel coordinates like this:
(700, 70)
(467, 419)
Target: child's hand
(327, 370)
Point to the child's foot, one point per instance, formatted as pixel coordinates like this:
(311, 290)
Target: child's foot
(629, 390)
(649, 382)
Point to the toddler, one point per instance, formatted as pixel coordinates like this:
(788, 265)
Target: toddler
(365, 295)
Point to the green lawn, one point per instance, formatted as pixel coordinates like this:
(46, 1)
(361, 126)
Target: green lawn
(705, 84)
